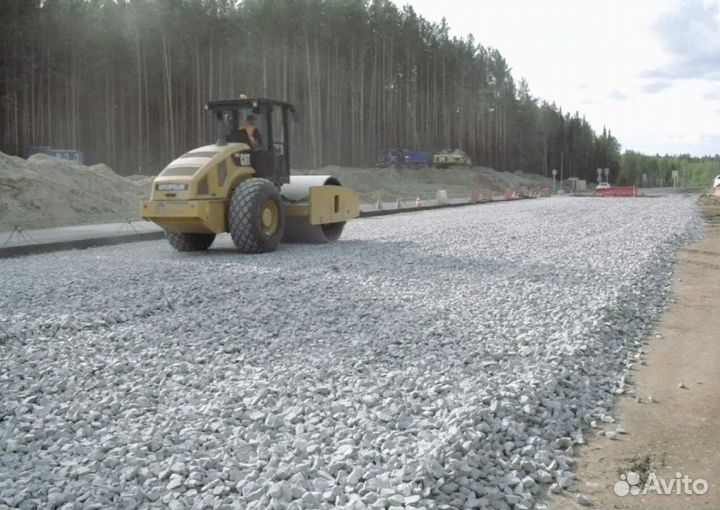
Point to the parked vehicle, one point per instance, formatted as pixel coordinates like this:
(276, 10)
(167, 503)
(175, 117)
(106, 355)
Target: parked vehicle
(451, 157)
(603, 185)
(403, 158)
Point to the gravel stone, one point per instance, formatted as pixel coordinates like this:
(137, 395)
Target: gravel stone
(175, 482)
(582, 500)
(440, 359)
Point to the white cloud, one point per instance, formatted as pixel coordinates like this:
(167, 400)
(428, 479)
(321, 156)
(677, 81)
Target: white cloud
(601, 59)
(691, 36)
(617, 96)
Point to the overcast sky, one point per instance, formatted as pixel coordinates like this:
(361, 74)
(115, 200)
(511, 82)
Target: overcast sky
(649, 70)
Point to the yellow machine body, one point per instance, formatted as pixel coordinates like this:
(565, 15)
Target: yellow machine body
(192, 194)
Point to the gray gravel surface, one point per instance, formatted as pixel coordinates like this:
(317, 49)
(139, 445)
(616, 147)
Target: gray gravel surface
(445, 359)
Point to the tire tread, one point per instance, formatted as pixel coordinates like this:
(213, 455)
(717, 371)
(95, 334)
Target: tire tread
(242, 216)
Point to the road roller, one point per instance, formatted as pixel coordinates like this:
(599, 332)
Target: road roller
(241, 184)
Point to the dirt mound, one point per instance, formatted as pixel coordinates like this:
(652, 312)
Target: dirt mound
(46, 192)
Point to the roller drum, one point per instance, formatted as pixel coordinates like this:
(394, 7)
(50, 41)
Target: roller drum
(298, 229)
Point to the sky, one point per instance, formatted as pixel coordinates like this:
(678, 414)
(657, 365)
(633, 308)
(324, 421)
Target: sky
(648, 70)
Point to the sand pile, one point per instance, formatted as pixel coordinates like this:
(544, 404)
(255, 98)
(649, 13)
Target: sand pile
(46, 192)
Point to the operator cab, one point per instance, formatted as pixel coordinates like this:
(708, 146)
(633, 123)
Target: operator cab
(271, 158)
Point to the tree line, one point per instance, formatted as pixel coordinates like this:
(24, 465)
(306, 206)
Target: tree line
(126, 81)
(655, 171)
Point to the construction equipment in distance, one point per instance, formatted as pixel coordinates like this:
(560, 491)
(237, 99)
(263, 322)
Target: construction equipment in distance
(403, 158)
(447, 158)
(247, 191)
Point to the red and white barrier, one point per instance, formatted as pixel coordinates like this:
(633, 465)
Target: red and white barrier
(617, 191)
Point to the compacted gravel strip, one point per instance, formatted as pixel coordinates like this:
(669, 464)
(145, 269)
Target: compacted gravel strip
(445, 359)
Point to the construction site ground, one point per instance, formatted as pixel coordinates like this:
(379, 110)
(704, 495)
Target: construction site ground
(672, 409)
(451, 358)
(570, 289)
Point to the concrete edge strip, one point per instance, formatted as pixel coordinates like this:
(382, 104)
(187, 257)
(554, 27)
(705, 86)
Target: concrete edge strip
(79, 244)
(383, 212)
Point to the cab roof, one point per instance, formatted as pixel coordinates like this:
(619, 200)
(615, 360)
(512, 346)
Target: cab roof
(247, 103)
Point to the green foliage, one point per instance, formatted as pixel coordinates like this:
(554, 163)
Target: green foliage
(653, 171)
(126, 81)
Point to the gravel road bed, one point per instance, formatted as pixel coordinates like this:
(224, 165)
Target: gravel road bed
(445, 359)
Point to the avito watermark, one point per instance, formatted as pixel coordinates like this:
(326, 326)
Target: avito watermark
(629, 484)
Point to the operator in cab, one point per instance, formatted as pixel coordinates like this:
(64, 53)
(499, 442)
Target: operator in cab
(247, 134)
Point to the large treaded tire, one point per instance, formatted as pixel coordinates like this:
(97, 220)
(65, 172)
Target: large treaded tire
(245, 216)
(190, 242)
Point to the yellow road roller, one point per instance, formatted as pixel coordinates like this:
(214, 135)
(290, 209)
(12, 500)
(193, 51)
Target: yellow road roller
(242, 185)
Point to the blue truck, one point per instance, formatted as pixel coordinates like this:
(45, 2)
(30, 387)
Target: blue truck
(403, 158)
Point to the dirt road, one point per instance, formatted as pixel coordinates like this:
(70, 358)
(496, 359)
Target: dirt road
(675, 431)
